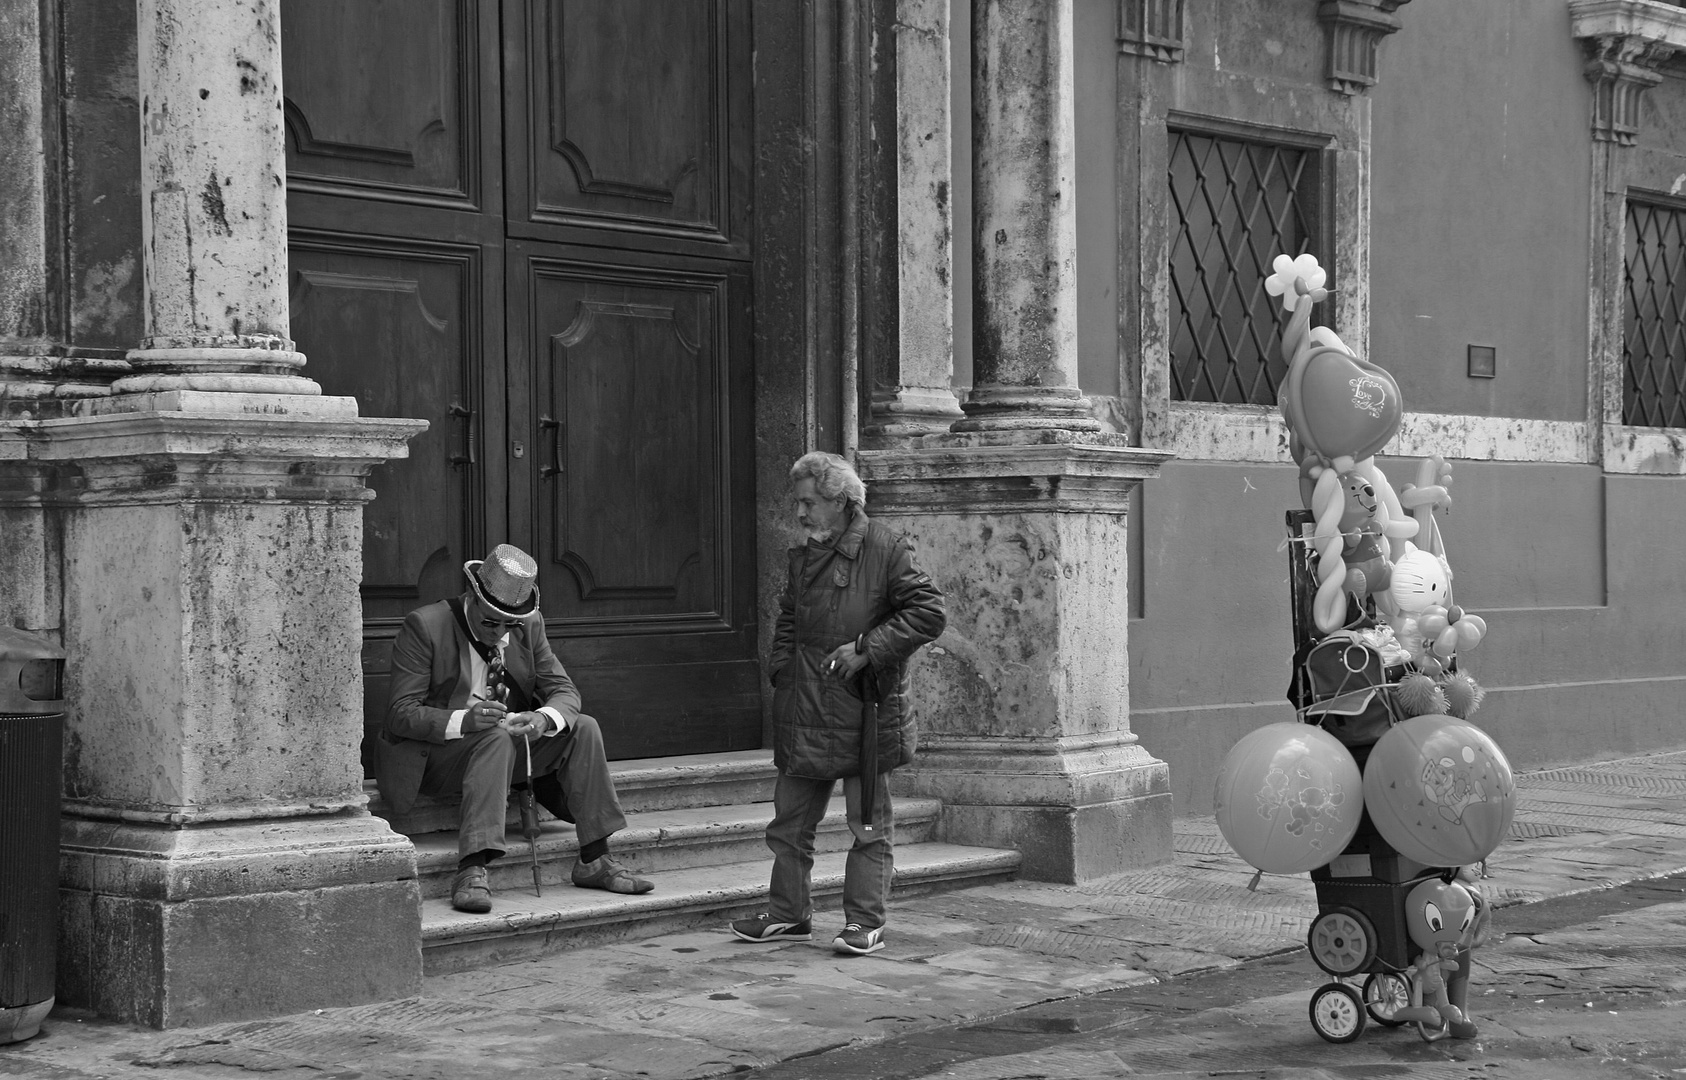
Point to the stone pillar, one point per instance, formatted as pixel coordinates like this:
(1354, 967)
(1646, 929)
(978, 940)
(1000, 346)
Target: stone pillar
(912, 394)
(1024, 221)
(214, 224)
(205, 522)
(1021, 513)
(218, 857)
(26, 295)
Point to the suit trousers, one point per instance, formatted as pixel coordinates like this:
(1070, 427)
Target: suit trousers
(483, 764)
(798, 805)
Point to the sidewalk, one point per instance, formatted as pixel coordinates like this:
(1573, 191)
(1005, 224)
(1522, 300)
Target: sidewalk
(702, 1003)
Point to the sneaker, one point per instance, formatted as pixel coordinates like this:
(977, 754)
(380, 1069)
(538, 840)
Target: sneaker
(763, 928)
(857, 939)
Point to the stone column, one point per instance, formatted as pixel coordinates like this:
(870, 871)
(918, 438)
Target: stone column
(26, 296)
(218, 858)
(911, 393)
(1021, 514)
(1024, 221)
(214, 226)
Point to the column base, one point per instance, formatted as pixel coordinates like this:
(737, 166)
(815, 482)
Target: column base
(1074, 813)
(909, 413)
(174, 927)
(1026, 408)
(22, 1022)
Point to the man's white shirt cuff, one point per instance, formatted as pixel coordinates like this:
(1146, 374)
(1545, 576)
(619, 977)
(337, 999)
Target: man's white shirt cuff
(561, 724)
(453, 726)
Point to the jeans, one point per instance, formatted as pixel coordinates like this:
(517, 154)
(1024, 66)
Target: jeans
(798, 805)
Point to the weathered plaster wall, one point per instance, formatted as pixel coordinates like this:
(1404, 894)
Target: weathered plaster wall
(1481, 188)
(1584, 653)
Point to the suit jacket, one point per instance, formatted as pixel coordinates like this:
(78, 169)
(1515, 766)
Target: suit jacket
(430, 681)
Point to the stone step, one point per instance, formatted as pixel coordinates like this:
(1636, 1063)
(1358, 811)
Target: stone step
(669, 783)
(655, 842)
(521, 926)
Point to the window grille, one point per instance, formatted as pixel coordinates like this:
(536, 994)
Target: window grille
(1152, 28)
(1654, 330)
(1239, 204)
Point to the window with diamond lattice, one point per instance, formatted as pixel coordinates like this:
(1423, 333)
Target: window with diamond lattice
(1238, 205)
(1654, 331)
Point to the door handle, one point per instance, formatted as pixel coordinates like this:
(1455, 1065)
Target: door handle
(554, 466)
(461, 413)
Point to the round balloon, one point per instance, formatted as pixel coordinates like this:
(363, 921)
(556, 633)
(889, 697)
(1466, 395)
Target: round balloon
(1288, 798)
(1439, 790)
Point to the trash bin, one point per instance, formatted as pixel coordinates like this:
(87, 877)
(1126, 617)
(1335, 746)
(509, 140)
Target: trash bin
(31, 769)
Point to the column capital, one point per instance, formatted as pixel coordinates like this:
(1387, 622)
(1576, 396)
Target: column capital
(1356, 28)
(1626, 43)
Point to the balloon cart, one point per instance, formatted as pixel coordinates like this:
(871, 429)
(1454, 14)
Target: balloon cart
(1360, 931)
(1380, 788)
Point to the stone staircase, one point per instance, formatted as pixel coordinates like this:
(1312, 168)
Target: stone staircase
(696, 825)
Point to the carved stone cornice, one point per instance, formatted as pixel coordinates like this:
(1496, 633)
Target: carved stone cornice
(1356, 28)
(1626, 43)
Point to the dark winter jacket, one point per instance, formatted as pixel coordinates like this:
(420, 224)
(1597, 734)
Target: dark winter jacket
(864, 584)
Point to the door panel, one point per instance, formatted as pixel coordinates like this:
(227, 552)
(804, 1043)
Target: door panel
(382, 97)
(629, 118)
(638, 489)
(400, 327)
(394, 329)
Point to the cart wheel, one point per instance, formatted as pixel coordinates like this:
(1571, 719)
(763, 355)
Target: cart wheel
(1385, 994)
(1336, 1013)
(1342, 941)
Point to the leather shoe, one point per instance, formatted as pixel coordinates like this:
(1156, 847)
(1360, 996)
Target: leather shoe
(606, 873)
(470, 891)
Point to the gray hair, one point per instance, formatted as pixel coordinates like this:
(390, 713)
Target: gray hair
(833, 476)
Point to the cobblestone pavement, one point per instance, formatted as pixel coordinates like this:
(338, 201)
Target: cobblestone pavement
(701, 1003)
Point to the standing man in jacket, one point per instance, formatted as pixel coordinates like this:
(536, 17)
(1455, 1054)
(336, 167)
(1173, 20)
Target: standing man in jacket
(855, 609)
(473, 678)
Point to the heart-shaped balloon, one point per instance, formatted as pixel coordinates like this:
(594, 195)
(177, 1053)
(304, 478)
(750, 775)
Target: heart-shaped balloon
(1342, 406)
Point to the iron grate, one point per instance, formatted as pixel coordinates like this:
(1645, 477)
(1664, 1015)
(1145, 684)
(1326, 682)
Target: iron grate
(1654, 330)
(1238, 205)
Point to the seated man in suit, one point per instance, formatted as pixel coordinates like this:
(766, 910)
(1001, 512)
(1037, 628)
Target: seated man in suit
(473, 678)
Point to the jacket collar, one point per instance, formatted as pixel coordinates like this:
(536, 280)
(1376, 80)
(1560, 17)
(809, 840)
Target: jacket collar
(849, 544)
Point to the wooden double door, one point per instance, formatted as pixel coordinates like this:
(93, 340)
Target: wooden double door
(528, 223)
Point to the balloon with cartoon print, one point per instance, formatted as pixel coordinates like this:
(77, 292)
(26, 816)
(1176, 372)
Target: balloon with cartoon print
(1288, 798)
(1439, 790)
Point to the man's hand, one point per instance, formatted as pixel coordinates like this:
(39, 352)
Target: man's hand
(844, 662)
(482, 715)
(527, 723)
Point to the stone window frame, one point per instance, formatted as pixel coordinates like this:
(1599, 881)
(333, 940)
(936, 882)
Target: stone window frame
(1231, 432)
(1630, 47)
(1254, 433)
